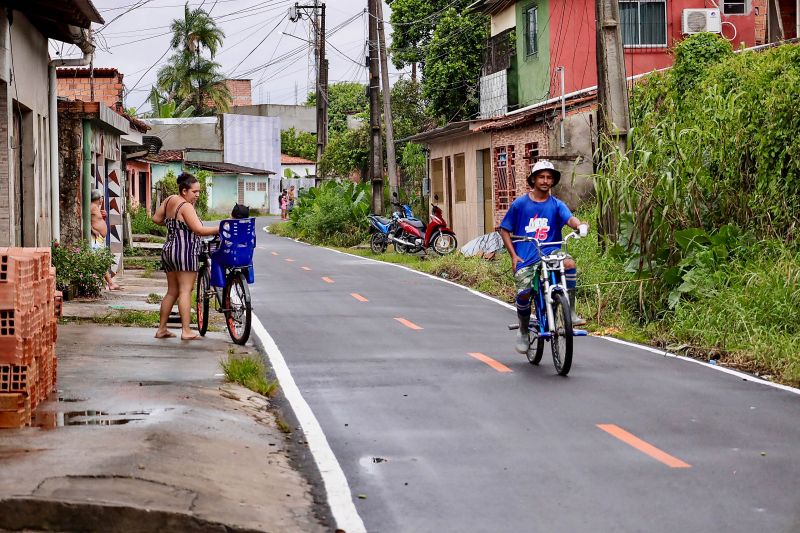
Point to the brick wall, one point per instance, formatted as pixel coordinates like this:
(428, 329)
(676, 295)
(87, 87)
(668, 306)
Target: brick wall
(514, 184)
(77, 85)
(241, 92)
(761, 21)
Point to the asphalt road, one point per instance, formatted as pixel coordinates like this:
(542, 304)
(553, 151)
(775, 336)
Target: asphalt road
(436, 439)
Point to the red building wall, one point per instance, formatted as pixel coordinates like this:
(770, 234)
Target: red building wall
(573, 40)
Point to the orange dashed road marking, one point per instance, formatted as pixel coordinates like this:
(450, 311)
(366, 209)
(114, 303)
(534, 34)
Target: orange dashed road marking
(289, 260)
(274, 253)
(642, 446)
(327, 279)
(500, 367)
(407, 323)
(305, 268)
(358, 297)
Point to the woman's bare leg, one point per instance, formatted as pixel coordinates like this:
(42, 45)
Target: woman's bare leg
(185, 286)
(166, 305)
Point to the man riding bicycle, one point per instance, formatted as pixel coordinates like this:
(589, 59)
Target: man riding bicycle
(541, 215)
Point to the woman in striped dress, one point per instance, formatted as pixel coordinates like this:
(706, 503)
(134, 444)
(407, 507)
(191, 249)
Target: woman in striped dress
(180, 253)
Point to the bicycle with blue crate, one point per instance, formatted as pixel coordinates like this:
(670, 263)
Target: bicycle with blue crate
(553, 322)
(226, 271)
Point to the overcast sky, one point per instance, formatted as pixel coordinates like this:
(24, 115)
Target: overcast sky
(138, 40)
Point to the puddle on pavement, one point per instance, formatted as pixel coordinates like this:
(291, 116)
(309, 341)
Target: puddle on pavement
(52, 420)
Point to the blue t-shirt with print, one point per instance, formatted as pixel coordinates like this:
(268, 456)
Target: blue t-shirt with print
(543, 220)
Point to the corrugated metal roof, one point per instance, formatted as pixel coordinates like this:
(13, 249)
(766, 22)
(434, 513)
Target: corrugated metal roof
(227, 168)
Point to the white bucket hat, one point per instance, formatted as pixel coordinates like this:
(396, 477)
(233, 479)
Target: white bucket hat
(544, 164)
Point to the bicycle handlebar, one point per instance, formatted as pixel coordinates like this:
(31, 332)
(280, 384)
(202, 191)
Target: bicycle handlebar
(525, 238)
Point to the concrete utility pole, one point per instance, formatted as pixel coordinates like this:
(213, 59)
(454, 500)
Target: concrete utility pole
(318, 23)
(613, 116)
(391, 159)
(375, 150)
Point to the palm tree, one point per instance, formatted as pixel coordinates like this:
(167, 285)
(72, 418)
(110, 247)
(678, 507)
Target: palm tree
(197, 30)
(189, 79)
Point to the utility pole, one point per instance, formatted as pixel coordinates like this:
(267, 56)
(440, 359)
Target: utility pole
(375, 151)
(317, 19)
(391, 159)
(613, 117)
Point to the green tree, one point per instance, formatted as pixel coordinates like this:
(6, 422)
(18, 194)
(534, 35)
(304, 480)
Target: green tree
(299, 143)
(347, 151)
(344, 98)
(453, 65)
(408, 110)
(190, 79)
(160, 107)
(413, 24)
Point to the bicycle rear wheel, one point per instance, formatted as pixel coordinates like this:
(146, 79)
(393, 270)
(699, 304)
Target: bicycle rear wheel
(561, 342)
(535, 350)
(238, 312)
(202, 296)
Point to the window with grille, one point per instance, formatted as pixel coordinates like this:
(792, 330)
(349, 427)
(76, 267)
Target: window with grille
(735, 7)
(531, 30)
(531, 156)
(644, 22)
(262, 186)
(506, 188)
(250, 186)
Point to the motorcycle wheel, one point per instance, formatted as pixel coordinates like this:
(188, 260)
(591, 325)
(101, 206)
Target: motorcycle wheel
(444, 243)
(377, 243)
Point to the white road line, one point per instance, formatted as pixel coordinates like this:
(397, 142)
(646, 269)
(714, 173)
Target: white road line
(339, 496)
(742, 375)
(726, 370)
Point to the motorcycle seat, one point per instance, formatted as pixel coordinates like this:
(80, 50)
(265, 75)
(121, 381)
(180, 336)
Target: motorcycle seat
(416, 223)
(383, 220)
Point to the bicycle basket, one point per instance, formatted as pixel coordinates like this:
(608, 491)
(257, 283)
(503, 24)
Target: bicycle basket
(237, 242)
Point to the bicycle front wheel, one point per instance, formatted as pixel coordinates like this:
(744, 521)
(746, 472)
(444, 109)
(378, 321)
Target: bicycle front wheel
(238, 312)
(561, 342)
(202, 296)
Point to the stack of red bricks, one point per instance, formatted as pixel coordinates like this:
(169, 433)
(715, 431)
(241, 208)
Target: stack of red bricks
(29, 311)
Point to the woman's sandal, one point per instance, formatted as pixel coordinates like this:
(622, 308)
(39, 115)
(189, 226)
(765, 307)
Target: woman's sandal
(167, 335)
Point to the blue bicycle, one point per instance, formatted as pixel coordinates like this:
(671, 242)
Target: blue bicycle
(553, 313)
(226, 271)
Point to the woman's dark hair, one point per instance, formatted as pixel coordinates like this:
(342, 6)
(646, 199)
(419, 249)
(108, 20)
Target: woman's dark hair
(185, 180)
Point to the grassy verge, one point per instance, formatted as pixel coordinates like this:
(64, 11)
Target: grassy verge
(248, 371)
(749, 318)
(142, 263)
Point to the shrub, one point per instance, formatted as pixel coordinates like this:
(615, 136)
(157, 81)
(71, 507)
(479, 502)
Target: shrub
(81, 268)
(141, 223)
(334, 213)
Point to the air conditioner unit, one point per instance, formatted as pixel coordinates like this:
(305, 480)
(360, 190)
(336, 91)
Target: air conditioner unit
(701, 20)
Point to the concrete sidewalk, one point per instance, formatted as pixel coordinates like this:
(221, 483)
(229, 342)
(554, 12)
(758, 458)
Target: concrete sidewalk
(144, 435)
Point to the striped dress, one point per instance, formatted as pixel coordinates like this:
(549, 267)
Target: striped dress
(181, 251)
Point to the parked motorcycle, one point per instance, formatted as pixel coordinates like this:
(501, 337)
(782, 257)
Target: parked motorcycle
(381, 229)
(412, 235)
